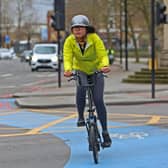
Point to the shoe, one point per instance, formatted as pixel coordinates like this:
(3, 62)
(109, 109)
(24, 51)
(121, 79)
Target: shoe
(81, 122)
(107, 140)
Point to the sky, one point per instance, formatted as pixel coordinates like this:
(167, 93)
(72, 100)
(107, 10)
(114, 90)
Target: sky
(42, 7)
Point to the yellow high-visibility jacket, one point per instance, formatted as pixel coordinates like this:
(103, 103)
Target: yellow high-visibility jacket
(93, 59)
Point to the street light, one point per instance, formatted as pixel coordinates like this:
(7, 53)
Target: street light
(126, 35)
(121, 30)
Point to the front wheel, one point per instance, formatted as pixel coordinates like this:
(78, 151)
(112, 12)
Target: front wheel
(94, 143)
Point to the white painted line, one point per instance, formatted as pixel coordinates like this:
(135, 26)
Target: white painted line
(7, 87)
(7, 75)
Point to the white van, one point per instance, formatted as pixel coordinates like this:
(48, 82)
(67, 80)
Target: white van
(44, 55)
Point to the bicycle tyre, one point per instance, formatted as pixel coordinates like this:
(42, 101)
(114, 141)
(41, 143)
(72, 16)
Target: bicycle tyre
(93, 142)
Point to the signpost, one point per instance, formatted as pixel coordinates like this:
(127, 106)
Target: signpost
(7, 39)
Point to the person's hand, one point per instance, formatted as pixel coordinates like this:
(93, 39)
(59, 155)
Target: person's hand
(67, 73)
(105, 69)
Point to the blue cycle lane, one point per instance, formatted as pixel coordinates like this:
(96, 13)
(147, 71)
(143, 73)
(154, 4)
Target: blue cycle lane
(133, 146)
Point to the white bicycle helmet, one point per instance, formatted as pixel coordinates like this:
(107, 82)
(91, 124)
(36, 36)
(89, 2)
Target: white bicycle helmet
(80, 20)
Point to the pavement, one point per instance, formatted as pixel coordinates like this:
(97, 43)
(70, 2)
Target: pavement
(116, 92)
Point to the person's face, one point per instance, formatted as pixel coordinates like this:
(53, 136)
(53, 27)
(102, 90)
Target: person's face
(79, 31)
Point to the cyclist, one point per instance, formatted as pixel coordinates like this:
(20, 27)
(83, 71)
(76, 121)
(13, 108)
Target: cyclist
(84, 51)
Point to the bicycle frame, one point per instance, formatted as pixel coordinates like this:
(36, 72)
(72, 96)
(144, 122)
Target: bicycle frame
(94, 137)
(92, 119)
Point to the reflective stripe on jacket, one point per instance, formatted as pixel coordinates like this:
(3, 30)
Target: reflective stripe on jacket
(93, 58)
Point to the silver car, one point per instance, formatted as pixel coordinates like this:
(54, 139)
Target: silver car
(44, 56)
(5, 53)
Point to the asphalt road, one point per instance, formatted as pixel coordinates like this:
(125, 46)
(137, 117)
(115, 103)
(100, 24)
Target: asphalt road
(17, 77)
(49, 137)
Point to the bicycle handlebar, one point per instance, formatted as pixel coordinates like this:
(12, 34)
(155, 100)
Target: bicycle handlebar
(75, 75)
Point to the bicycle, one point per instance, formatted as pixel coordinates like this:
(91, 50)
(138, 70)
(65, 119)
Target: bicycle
(94, 138)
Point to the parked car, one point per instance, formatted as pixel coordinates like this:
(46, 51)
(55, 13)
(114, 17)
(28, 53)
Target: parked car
(5, 53)
(44, 55)
(26, 56)
(13, 53)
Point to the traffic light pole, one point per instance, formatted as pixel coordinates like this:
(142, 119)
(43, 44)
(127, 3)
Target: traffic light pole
(59, 59)
(59, 24)
(153, 46)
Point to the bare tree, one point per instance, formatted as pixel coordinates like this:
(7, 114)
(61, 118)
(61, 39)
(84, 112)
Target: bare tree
(6, 18)
(23, 11)
(138, 21)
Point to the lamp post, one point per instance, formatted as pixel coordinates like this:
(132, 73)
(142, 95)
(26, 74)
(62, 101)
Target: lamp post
(126, 35)
(121, 30)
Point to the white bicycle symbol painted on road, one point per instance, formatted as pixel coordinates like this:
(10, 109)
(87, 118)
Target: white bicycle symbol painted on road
(138, 135)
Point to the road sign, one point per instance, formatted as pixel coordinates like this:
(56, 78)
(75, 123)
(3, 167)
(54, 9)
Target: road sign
(44, 33)
(7, 39)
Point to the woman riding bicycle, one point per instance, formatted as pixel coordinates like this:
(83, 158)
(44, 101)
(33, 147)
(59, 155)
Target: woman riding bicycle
(84, 51)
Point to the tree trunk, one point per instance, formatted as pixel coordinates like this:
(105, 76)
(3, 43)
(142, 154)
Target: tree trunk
(133, 39)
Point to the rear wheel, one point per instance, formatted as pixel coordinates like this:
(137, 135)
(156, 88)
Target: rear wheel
(94, 143)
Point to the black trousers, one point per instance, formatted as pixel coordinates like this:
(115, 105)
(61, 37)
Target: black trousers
(98, 94)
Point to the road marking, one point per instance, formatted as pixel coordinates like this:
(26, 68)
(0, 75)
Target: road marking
(138, 115)
(30, 84)
(11, 128)
(138, 135)
(154, 120)
(83, 129)
(7, 75)
(52, 111)
(109, 114)
(8, 113)
(36, 131)
(5, 105)
(7, 87)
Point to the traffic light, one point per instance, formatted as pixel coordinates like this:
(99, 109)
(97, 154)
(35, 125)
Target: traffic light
(58, 19)
(54, 22)
(161, 17)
